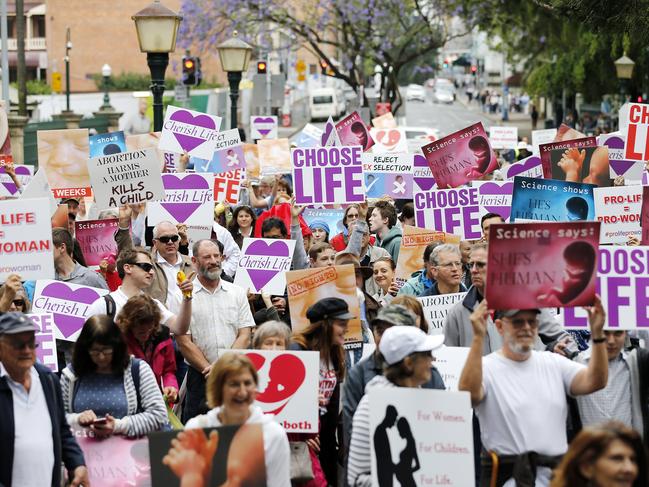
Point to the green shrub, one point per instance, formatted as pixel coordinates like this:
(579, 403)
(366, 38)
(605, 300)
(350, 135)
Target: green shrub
(129, 82)
(35, 87)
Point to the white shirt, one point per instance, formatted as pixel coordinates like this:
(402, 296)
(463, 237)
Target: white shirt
(99, 306)
(525, 407)
(231, 251)
(33, 443)
(217, 317)
(174, 295)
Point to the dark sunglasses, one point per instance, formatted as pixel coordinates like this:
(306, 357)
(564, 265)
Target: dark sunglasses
(169, 238)
(19, 345)
(145, 266)
(19, 302)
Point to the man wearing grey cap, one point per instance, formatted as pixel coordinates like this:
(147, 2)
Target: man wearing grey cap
(519, 394)
(34, 434)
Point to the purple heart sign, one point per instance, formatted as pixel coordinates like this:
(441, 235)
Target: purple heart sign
(189, 131)
(530, 166)
(20, 171)
(496, 197)
(263, 126)
(184, 194)
(263, 259)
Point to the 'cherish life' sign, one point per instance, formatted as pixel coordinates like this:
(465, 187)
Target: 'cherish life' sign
(327, 175)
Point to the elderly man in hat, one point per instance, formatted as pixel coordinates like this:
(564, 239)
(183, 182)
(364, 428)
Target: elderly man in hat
(34, 434)
(519, 394)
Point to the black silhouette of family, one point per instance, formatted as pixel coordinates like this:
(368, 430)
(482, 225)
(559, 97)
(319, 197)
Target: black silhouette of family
(408, 459)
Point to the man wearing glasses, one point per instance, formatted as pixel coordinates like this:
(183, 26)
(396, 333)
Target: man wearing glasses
(446, 270)
(34, 433)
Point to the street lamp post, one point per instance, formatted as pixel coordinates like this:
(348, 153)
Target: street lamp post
(68, 46)
(157, 27)
(624, 70)
(235, 56)
(106, 72)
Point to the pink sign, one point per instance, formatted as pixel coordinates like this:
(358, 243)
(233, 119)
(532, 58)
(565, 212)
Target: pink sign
(353, 131)
(97, 239)
(546, 151)
(542, 265)
(227, 185)
(46, 351)
(461, 157)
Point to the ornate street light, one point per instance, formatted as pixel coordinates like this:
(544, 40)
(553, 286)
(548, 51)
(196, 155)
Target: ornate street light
(106, 71)
(235, 56)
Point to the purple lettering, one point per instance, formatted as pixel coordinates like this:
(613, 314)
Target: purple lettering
(300, 197)
(333, 180)
(353, 181)
(450, 220)
(641, 302)
(615, 301)
(471, 220)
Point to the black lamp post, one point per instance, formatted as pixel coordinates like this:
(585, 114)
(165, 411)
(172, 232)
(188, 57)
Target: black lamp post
(235, 56)
(106, 71)
(157, 27)
(68, 46)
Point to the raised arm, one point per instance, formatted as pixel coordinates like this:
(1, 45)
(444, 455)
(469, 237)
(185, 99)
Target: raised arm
(471, 378)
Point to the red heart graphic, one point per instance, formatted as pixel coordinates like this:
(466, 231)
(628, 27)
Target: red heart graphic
(389, 138)
(286, 376)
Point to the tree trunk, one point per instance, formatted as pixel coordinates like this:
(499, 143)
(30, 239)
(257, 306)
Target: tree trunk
(20, 62)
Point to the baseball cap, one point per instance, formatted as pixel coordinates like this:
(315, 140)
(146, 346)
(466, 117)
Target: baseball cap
(65, 200)
(334, 308)
(395, 314)
(398, 342)
(510, 313)
(15, 322)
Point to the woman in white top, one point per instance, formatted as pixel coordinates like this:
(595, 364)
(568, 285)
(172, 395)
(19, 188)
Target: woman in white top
(231, 392)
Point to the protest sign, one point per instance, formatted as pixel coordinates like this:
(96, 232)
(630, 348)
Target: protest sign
(107, 144)
(63, 155)
(116, 461)
(384, 121)
(530, 167)
(251, 155)
(310, 136)
(274, 156)
(388, 175)
(5, 141)
(26, 247)
(455, 211)
(389, 140)
(636, 145)
(545, 151)
(24, 174)
(622, 284)
(544, 136)
(353, 131)
(551, 200)
(329, 136)
(542, 265)
(413, 243)
(189, 199)
(188, 131)
(495, 196)
(263, 265)
(461, 157)
(308, 286)
(228, 154)
(38, 187)
(263, 127)
(324, 175)
(227, 186)
(69, 304)
(46, 350)
(503, 137)
(449, 362)
(565, 132)
(97, 240)
(238, 457)
(430, 433)
(333, 218)
(436, 308)
(422, 175)
(127, 178)
(618, 208)
(619, 166)
(644, 216)
(585, 165)
(288, 387)
(169, 161)
(6, 159)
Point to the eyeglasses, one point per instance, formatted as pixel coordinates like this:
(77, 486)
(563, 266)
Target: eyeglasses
(18, 302)
(448, 265)
(16, 345)
(477, 265)
(169, 238)
(102, 351)
(145, 266)
(520, 322)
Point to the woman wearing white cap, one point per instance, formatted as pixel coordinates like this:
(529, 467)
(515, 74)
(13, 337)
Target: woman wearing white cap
(408, 361)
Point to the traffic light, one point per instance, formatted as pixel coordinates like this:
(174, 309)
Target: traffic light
(261, 67)
(323, 66)
(446, 63)
(189, 71)
(474, 70)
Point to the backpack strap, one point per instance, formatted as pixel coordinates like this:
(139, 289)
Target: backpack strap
(135, 373)
(111, 306)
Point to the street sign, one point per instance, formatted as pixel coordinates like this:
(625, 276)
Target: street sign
(259, 90)
(56, 82)
(181, 93)
(300, 66)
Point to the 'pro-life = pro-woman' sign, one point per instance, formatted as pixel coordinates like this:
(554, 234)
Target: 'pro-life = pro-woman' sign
(326, 175)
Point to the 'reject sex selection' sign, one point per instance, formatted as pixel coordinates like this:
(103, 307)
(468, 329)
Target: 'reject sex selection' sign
(328, 175)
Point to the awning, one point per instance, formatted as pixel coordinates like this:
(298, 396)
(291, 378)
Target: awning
(31, 59)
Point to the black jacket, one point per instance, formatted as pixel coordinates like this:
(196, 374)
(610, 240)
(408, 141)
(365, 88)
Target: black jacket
(66, 448)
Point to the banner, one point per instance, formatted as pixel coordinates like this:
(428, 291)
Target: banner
(274, 156)
(461, 157)
(644, 216)
(618, 208)
(384, 121)
(353, 131)
(107, 144)
(24, 174)
(542, 265)
(326, 175)
(46, 350)
(389, 140)
(310, 136)
(388, 175)
(551, 200)
(187, 131)
(68, 303)
(97, 240)
(422, 175)
(619, 166)
(587, 165)
(543, 136)
(545, 150)
(127, 178)
(449, 362)
(251, 155)
(413, 243)
(495, 196)
(188, 199)
(503, 137)
(428, 432)
(436, 308)
(26, 245)
(63, 155)
(455, 211)
(263, 127)
(227, 186)
(333, 218)
(263, 265)
(636, 147)
(236, 457)
(228, 154)
(530, 167)
(308, 286)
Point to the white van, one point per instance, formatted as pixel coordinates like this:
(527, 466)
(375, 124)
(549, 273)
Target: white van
(325, 102)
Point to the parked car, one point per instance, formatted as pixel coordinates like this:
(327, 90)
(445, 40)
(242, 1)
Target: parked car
(415, 92)
(444, 94)
(325, 103)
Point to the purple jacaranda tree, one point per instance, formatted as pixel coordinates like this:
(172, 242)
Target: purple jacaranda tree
(350, 36)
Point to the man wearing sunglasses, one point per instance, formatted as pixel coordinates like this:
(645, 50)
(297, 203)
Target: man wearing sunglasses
(34, 433)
